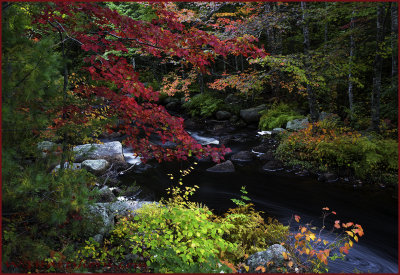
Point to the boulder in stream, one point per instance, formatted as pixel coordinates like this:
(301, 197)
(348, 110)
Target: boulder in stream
(252, 114)
(272, 166)
(242, 156)
(225, 167)
(328, 177)
(110, 151)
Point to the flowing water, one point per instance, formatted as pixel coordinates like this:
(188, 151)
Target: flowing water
(284, 195)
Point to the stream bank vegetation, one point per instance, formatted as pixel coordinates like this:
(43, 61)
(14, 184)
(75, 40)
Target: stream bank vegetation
(180, 236)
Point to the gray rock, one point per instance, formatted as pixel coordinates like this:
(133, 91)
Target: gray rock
(223, 115)
(125, 208)
(110, 151)
(106, 195)
(273, 165)
(252, 114)
(277, 131)
(101, 216)
(271, 259)
(225, 167)
(328, 177)
(242, 156)
(297, 124)
(96, 166)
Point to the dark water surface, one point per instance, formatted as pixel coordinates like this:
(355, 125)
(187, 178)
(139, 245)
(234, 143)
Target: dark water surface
(283, 195)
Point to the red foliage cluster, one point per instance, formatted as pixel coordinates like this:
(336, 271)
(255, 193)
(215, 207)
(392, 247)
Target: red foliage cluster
(100, 30)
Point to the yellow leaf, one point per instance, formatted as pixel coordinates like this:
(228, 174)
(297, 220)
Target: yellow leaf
(355, 238)
(350, 233)
(312, 236)
(285, 255)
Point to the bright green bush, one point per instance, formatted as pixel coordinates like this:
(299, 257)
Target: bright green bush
(203, 105)
(177, 235)
(172, 236)
(339, 148)
(277, 116)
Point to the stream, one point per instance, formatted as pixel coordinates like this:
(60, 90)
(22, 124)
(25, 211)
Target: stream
(282, 195)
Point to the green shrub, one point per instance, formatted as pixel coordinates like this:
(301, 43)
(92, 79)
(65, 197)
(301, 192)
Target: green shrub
(203, 105)
(339, 148)
(177, 235)
(172, 236)
(277, 116)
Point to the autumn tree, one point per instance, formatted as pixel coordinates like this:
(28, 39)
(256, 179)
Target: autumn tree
(113, 77)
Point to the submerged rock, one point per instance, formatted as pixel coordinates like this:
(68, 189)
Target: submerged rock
(243, 156)
(273, 165)
(225, 167)
(328, 177)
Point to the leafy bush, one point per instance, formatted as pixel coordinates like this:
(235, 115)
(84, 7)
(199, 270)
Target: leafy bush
(177, 235)
(203, 105)
(277, 116)
(172, 236)
(312, 253)
(341, 148)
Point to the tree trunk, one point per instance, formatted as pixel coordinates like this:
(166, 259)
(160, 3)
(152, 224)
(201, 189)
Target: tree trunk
(352, 47)
(65, 88)
(201, 82)
(326, 30)
(376, 87)
(270, 38)
(393, 42)
(312, 102)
